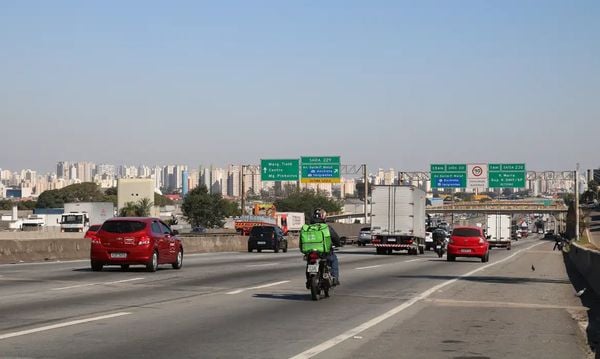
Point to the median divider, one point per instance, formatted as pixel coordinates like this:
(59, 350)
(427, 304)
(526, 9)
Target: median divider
(75, 247)
(587, 262)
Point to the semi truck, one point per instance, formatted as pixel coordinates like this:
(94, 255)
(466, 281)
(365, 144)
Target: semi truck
(398, 219)
(79, 216)
(498, 230)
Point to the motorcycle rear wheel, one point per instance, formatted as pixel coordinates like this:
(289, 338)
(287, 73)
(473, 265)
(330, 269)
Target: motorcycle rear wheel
(314, 288)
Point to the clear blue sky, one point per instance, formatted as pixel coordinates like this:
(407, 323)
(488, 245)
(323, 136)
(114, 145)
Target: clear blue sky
(388, 83)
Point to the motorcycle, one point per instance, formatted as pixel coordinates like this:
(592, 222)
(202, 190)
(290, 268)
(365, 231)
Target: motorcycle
(318, 275)
(441, 247)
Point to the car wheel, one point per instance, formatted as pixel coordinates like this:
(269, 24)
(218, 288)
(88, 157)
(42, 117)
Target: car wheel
(390, 251)
(486, 257)
(450, 258)
(259, 250)
(124, 266)
(179, 261)
(276, 249)
(152, 265)
(96, 266)
(380, 250)
(508, 248)
(285, 248)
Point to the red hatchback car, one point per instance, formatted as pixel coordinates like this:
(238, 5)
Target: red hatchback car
(128, 241)
(468, 242)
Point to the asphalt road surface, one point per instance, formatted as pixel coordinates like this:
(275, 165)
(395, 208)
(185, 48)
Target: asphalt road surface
(255, 305)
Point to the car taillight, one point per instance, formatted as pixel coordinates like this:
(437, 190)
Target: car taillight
(313, 257)
(94, 239)
(144, 241)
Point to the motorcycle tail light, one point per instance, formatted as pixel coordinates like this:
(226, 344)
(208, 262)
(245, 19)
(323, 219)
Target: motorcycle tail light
(145, 240)
(313, 257)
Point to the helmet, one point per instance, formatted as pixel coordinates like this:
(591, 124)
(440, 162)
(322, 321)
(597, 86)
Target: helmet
(319, 213)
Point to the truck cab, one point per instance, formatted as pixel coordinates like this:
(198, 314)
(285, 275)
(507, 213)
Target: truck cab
(74, 222)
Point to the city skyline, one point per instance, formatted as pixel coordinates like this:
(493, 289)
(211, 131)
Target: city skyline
(390, 83)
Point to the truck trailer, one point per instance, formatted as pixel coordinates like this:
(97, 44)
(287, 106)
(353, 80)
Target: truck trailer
(499, 230)
(398, 219)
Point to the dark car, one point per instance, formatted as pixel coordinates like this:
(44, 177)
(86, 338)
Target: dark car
(135, 240)
(267, 237)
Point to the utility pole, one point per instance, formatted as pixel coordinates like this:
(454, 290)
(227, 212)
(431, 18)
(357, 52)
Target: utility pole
(365, 179)
(577, 202)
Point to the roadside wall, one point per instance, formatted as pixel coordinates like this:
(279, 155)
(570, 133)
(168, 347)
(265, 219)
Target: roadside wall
(587, 262)
(44, 249)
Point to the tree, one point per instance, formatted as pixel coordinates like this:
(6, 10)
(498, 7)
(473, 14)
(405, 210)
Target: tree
(203, 209)
(360, 190)
(80, 192)
(307, 201)
(141, 208)
(593, 186)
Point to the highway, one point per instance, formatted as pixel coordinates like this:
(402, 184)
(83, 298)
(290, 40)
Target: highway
(255, 305)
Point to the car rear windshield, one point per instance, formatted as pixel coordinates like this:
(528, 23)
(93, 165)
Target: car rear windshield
(466, 232)
(261, 230)
(95, 228)
(123, 226)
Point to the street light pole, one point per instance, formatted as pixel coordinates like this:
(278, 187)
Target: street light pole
(242, 192)
(364, 166)
(577, 202)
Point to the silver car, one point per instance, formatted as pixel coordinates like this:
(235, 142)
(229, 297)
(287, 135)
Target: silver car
(364, 236)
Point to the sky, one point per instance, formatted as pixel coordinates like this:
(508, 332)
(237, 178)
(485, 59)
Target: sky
(393, 84)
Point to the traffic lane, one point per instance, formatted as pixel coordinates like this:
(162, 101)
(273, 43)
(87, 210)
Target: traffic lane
(114, 290)
(504, 311)
(218, 318)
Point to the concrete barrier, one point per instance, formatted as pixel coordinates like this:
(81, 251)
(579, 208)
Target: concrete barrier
(36, 250)
(587, 262)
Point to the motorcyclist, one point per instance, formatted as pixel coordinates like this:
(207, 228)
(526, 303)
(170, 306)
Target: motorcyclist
(319, 216)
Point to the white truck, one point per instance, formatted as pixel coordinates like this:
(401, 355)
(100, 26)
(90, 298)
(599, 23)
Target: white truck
(290, 221)
(398, 219)
(498, 231)
(79, 216)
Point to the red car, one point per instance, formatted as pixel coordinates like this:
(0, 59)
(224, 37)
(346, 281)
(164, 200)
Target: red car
(92, 230)
(128, 241)
(468, 242)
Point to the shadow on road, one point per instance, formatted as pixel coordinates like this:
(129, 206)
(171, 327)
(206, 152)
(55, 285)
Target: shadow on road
(297, 297)
(488, 279)
(590, 300)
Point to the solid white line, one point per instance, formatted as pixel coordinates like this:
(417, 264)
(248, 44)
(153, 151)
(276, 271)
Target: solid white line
(61, 325)
(262, 265)
(369, 267)
(258, 287)
(371, 323)
(414, 260)
(92, 284)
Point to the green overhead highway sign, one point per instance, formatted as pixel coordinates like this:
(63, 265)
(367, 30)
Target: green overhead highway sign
(320, 169)
(506, 175)
(279, 170)
(448, 175)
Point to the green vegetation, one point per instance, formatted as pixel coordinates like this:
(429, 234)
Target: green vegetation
(201, 208)
(81, 192)
(141, 208)
(307, 201)
(7, 204)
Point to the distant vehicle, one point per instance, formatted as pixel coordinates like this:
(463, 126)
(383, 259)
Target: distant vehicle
(198, 229)
(398, 221)
(74, 222)
(499, 230)
(290, 221)
(129, 241)
(429, 241)
(364, 236)
(92, 230)
(267, 237)
(78, 215)
(468, 242)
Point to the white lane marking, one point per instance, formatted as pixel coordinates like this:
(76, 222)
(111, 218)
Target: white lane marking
(414, 260)
(262, 265)
(92, 284)
(373, 322)
(258, 287)
(61, 325)
(369, 267)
